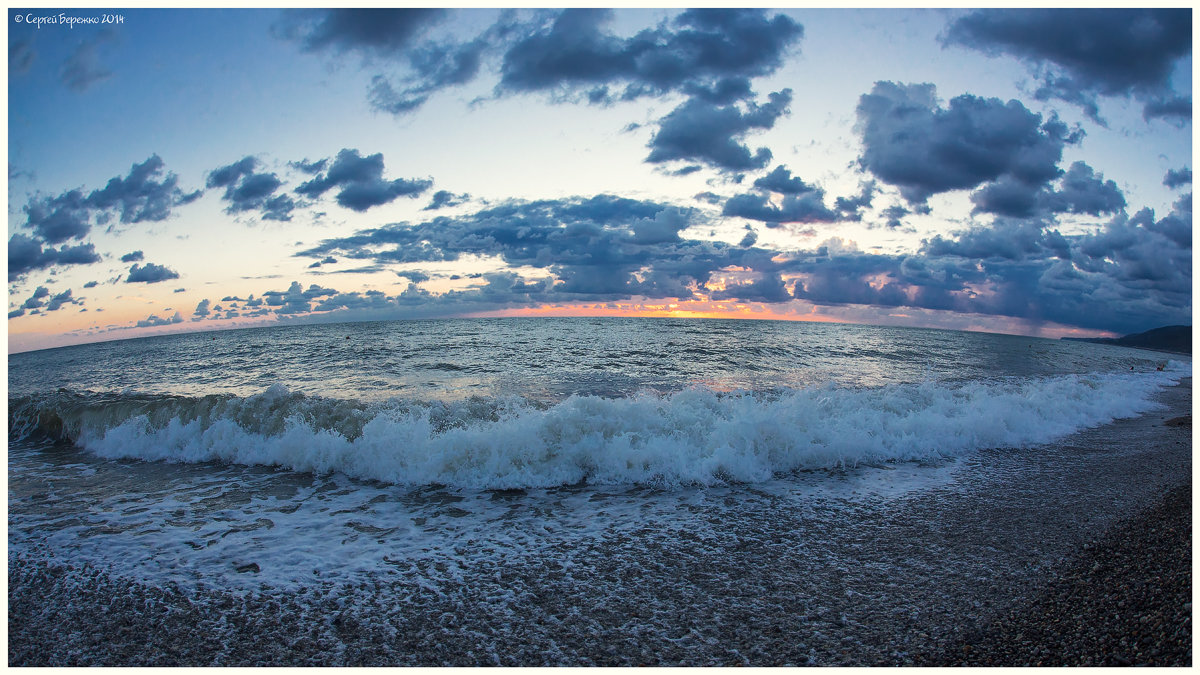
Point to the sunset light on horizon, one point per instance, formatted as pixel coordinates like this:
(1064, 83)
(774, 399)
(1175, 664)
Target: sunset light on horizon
(175, 170)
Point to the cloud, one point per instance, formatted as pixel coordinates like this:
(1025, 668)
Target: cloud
(361, 182)
(83, 68)
(803, 208)
(1081, 54)
(146, 194)
(444, 198)
(150, 274)
(1131, 274)
(136, 256)
(26, 254)
(798, 202)
(64, 298)
(154, 320)
(909, 141)
(20, 56)
(1177, 177)
(91, 284)
(396, 37)
(1081, 191)
(601, 247)
(246, 190)
(202, 309)
(705, 53)
(712, 134)
(414, 276)
(374, 32)
(37, 299)
(781, 180)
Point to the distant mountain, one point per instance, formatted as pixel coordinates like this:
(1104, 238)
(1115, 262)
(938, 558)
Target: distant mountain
(1165, 339)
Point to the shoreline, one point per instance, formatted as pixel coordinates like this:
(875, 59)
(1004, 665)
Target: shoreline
(1126, 600)
(909, 581)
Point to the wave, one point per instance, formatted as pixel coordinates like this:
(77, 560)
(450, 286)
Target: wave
(696, 436)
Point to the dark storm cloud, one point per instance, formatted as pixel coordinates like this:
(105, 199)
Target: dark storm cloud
(26, 254)
(712, 134)
(83, 68)
(150, 274)
(1177, 177)
(923, 149)
(361, 182)
(146, 194)
(1080, 54)
(706, 53)
(246, 190)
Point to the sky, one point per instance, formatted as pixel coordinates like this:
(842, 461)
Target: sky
(1008, 170)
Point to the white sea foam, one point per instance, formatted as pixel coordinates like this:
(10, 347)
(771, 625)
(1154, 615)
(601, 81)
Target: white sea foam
(692, 437)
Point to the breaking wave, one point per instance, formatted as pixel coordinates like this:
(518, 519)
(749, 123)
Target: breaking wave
(695, 436)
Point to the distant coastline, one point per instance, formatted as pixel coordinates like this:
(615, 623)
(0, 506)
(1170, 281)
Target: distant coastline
(1174, 339)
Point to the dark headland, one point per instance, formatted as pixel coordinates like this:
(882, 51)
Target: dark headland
(1176, 339)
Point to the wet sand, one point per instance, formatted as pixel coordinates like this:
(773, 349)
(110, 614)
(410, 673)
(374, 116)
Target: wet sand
(989, 570)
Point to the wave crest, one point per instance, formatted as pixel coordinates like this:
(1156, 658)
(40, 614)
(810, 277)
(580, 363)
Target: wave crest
(693, 436)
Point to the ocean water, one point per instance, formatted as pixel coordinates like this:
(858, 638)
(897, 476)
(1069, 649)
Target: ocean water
(288, 456)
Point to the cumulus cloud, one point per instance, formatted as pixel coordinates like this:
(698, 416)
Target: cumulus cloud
(246, 190)
(202, 310)
(707, 53)
(794, 208)
(445, 198)
(784, 198)
(135, 256)
(361, 182)
(1081, 190)
(26, 254)
(1177, 177)
(155, 320)
(150, 274)
(911, 142)
(1132, 274)
(601, 247)
(146, 194)
(1081, 54)
(711, 133)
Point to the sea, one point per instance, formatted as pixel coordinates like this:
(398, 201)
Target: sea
(290, 456)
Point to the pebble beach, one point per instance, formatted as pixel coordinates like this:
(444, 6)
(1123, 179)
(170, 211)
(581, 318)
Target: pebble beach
(1077, 554)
